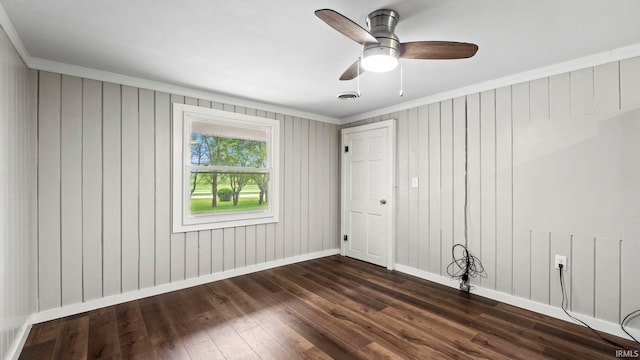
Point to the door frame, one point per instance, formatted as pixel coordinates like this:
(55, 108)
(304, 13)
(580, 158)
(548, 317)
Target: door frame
(390, 125)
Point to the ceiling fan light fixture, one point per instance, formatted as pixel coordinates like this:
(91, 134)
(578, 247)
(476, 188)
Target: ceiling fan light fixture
(380, 59)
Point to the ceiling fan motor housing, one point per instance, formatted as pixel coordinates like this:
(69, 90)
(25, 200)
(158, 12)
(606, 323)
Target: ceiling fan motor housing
(382, 25)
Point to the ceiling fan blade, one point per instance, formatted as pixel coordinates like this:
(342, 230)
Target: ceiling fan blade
(346, 26)
(438, 50)
(352, 71)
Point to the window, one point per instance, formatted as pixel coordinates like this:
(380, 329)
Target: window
(225, 169)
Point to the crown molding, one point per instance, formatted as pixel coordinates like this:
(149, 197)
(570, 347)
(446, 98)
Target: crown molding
(555, 69)
(12, 34)
(89, 73)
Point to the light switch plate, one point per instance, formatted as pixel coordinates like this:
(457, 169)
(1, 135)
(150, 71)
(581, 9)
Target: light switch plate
(414, 182)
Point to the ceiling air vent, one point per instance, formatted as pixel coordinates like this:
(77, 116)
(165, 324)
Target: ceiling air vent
(348, 95)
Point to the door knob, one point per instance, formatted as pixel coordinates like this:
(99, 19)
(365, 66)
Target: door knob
(383, 201)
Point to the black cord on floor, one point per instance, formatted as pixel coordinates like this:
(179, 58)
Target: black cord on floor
(564, 308)
(465, 266)
(631, 315)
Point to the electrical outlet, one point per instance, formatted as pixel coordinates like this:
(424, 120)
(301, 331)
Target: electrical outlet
(561, 259)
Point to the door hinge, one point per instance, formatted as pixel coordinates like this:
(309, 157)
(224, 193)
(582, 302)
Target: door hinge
(345, 238)
(346, 149)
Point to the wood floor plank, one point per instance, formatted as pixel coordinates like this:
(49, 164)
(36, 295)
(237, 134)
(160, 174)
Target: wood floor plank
(165, 340)
(73, 339)
(104, 342)
(264, 345)
(132, 332)
(43, 350)
(205, 351)
(329, 308)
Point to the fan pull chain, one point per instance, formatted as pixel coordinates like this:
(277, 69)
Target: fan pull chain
(401, 81)
(358, 77)
(359, 64)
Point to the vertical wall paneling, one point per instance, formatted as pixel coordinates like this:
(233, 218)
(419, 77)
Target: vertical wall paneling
(582, 267)
(105, 194)
(434, 183)
(271, 229)
(504, 205)
(71, 189)
(204, 250)
(560, 244)
(630, 83)
(304, 188)
(92, 189)
(539, 97)
(146, 188)
(130, 185)
(280, 226)
(630, 287)
(607, 291)
(521, 232)
(229, 258)
(260, 229)
(475, 180)
(261, 243)
(191, 249)
(582, 92)
(162, 189)
(606, 83)
(540, 264)
(423, 188)
(296, 166)
(250, 249)
(402, 211)
(335, 184)
(313, 186)
(111, 191)
(488, 189)
(324, 144)
(288, 185)
(560, 97)
(414, 158)
(241, 247)
(447, 183)
(459, 145)
(178, 244)
(320, 183)
(192, 261)
(18, 184)
(217, 250)
(49, 276)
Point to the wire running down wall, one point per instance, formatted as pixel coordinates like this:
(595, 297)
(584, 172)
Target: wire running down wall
(104, 194)
(554, 168)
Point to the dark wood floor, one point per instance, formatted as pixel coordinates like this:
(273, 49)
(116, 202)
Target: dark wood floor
(328, 308)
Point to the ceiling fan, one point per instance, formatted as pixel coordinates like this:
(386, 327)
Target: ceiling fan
(382, 48)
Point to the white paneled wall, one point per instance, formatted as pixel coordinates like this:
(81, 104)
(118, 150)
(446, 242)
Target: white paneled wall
(17, 182)
(554, 168)
(104, 194)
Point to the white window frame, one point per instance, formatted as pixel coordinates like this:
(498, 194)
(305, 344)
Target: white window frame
(182, 220)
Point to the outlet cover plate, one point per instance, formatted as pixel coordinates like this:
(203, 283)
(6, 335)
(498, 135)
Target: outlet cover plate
(561, 259)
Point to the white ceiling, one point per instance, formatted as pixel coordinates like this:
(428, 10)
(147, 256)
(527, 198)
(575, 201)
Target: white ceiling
(278, 52)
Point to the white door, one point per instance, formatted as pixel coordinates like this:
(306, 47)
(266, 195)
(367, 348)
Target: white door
(367, 192)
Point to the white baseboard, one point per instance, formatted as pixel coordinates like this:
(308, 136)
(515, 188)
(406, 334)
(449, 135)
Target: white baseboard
(19, 340)
(73, 309)
(553, 311)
